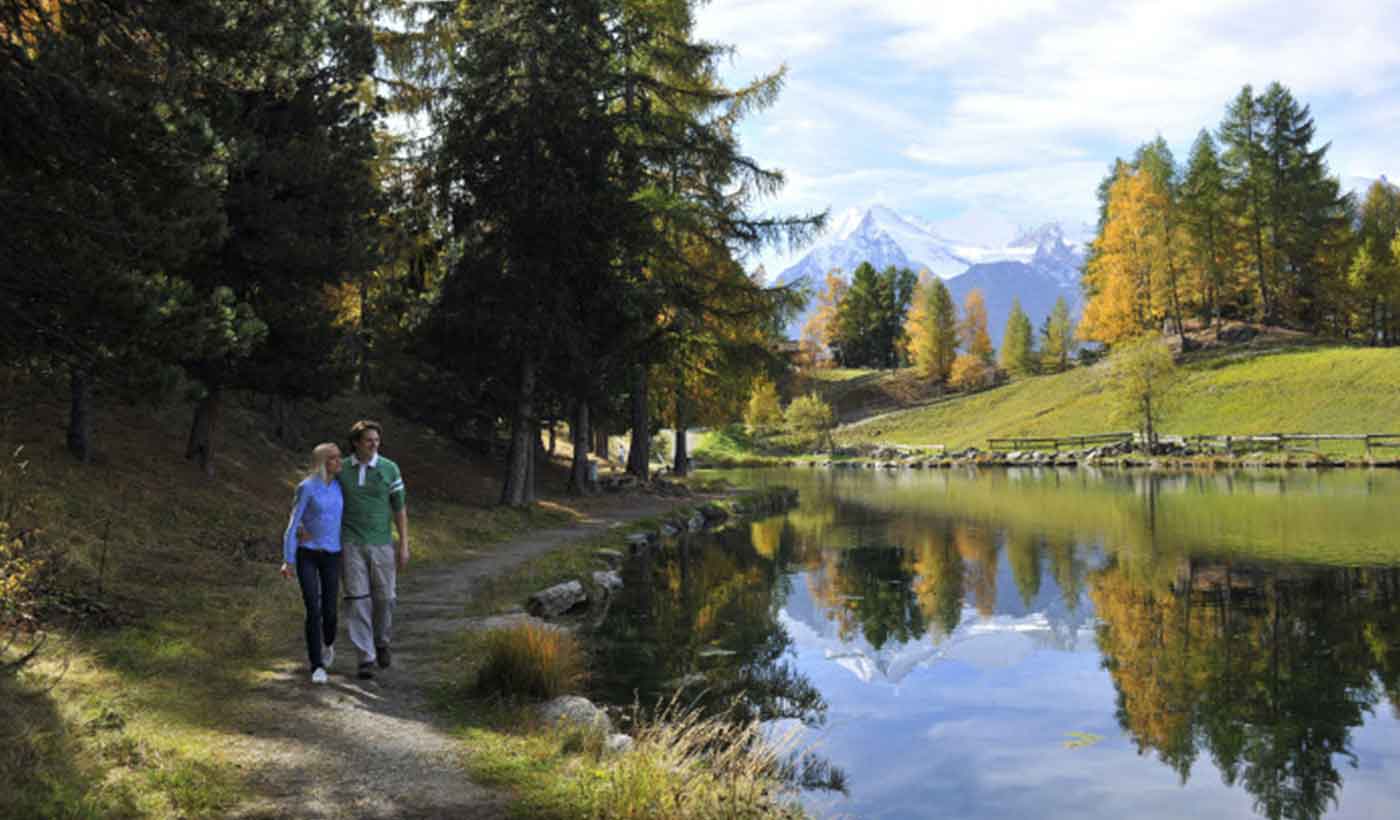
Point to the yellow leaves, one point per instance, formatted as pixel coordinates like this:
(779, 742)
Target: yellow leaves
(976, 341)
(971, 373)
(821, 328)
(1130, 265)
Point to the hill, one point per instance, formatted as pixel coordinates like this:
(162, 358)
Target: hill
(1235, 390)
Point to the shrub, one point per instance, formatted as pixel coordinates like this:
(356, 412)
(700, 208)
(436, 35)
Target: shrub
(971, 373)
(763, 410)
(531, 660)
(809, 414)
(686, 765)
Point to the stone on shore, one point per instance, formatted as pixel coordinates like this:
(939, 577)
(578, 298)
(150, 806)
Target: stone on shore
(574, 712)
(556, 600)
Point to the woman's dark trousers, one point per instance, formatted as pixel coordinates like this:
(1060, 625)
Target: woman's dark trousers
(318, 572)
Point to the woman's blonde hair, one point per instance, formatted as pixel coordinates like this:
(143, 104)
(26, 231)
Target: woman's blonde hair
(319, 457)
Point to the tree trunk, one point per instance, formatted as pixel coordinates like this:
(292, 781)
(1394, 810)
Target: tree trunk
(578, 469)
(600, 443)
(362, 378)
(681, 466)
(516, 490)
(206, 421)
(80, 415)
(639, 451)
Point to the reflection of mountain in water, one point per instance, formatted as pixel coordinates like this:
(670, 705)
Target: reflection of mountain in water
(1003, 639)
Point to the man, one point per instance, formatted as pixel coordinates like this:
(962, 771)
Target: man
(374, 495)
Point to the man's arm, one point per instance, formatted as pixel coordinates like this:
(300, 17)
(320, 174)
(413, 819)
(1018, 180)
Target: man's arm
(401, 524)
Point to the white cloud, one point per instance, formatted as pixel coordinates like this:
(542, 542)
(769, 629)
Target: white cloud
(1018, 106)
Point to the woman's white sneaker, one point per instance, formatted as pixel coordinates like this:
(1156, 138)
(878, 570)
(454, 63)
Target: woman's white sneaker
(319, 676)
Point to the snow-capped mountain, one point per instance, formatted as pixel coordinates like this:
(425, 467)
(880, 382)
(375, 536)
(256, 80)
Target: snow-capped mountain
(1038, 266)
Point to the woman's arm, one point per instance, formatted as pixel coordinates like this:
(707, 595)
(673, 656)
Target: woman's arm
(289, 538)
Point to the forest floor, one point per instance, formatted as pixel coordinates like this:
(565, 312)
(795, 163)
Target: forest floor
(174, 683)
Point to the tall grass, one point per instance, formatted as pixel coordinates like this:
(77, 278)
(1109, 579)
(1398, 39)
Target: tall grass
(686, 765)
(531, 660)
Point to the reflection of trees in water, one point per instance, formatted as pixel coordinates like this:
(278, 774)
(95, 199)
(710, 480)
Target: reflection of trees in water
(872, 592)
(706, 608)
(1266, 669)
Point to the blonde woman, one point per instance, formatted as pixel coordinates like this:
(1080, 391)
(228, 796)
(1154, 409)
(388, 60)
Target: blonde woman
(311, 548)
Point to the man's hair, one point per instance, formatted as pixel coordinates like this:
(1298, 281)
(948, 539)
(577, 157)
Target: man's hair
(361, 427)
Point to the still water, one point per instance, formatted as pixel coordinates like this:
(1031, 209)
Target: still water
(1025, 644)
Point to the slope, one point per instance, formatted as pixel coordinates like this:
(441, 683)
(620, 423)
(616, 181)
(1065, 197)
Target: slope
(1316, 390)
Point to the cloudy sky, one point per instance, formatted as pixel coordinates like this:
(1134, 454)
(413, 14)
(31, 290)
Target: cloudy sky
(985, 114)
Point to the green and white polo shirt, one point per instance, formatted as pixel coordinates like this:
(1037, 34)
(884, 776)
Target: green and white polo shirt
(373, 492)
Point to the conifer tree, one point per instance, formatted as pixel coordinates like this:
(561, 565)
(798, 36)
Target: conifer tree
(972, 333)
(1057, 338)
(932, 328)
(1017, 342)
(820, 329)
(1206, 219)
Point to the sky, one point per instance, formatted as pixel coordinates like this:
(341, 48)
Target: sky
(986, 115)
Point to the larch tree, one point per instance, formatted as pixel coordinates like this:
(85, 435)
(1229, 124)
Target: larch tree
(1018, 342)
(1146, 382)
(932, 328)
(820, 328)
(1057, 338)
(972, 332)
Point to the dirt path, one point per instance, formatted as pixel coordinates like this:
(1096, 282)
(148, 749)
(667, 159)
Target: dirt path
(370, 749)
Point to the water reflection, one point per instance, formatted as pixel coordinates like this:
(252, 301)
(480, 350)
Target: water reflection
(942, 623)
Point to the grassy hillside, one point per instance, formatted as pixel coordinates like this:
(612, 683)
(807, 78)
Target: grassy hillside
(1314, 389)
(165, 607)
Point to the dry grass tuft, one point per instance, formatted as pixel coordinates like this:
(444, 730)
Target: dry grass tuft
(685, 764)
(531, 660)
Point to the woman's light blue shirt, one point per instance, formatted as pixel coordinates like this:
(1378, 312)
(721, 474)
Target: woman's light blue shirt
(317, 508)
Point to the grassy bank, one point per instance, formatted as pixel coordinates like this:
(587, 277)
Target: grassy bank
(1314, 389)
(166, 608)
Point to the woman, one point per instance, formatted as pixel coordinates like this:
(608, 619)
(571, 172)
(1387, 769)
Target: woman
(311, 545)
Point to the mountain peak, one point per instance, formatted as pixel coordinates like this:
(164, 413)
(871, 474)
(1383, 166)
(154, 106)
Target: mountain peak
(1050, 234)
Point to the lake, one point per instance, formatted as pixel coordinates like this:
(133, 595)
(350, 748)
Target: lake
(1043, 643)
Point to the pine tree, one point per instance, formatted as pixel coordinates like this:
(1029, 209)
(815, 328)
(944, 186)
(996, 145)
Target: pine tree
(1247, 183)
(1205, 217)
(1017, 343)
(870, 323)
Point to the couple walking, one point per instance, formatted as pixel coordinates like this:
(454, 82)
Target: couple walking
(340, 529)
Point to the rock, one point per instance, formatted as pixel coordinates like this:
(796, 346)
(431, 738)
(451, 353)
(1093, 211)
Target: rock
(558, 599)
(670, 530)
(612, 557)
(572, 711)
(638, 543)
(618, 744)
(696, 522)
(608, 582)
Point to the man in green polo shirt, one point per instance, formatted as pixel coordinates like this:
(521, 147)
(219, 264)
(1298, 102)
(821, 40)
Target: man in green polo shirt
(373, 490)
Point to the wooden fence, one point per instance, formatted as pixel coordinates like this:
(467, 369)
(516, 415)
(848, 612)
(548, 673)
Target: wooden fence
(1286, 441)
(1056, 443)
(1230, 444)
